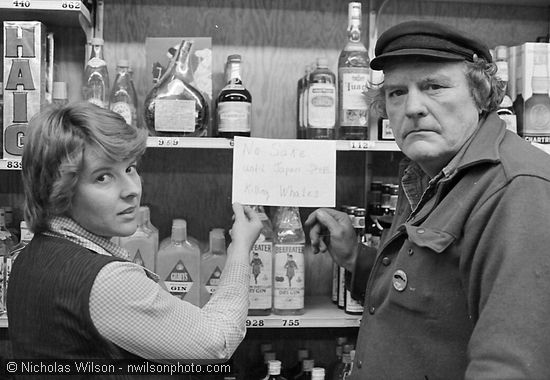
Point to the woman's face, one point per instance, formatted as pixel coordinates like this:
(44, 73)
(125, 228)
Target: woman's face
(107, 196)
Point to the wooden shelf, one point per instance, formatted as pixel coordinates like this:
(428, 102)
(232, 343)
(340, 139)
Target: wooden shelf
(223, 143)
(319, 312)
(50, 12)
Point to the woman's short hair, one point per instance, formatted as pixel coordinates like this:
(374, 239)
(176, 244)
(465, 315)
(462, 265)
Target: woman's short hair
(486, 88)
(53, 154)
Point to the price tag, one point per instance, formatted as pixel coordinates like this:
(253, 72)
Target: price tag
(10, 164)
(361, 144)
(290, 323)
(167, 142)
(255, 322)
(42, 4)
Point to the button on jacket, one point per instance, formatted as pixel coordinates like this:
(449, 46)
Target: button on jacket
(460, 287)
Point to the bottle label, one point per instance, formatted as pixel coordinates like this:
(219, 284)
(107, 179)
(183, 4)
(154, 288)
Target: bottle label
(537, 114)
(234, 116)
(124, 110)
(213, 280)
(179, 281)
(321, 106)
(385, 132)
(98, 102)
(353, 102)
(289, 276)
(175, 115)
(261, 288)
(96, 62)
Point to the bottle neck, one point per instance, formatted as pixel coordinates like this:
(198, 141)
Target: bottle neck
(182, 69)
(354, 32)
(97, 52)
(234, 73)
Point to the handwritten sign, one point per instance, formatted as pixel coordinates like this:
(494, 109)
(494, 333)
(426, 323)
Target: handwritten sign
(275, 172)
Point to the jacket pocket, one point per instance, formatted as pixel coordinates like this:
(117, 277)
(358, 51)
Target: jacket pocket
(436, 240)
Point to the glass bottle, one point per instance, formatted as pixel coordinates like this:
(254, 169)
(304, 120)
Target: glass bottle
(7, 242)
(505, 109)
(301, 104)
(339, 351)
(307, 367)
(353, 76)
(234, 103)
(289, 271)
(537, 107)
(274, 371)
(301, 355)
(142, 245)
(26, 237)
(321, 103)
(345, 365)
(123, 98)
(264, 369)
(212, 264)
(178, 264)
(261, 267)
(174, 107)
(150, 228)
(96, 76)
(59, 93)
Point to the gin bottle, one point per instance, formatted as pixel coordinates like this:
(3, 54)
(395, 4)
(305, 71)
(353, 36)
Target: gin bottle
(353, 75)
(261, 267)
(212, 264)
(289, 273)
(142, 245)
(174, 107)
(178, 265)
(123, 99)
(96, 76)
(321, 103)
(234, 102)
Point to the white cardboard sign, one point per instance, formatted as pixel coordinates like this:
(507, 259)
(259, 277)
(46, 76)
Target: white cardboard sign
(276, 172)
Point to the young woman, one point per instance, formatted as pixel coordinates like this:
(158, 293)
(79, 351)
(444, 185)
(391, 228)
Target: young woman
(72, 292)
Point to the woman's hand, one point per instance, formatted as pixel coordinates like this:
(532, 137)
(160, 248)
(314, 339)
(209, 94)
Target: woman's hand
(246, 228)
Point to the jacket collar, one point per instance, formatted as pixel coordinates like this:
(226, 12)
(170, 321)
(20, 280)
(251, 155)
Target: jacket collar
(484, 146)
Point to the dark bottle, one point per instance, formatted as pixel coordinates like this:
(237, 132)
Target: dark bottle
(301, 355)
(307, 367)
(234, 103)
(174, 107)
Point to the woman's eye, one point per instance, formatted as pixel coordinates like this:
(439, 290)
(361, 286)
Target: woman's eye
(132, 169)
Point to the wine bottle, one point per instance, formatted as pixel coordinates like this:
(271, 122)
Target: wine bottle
(123, 98)
(96, 76)
(234, 102)
(174, 107)
(321, 103)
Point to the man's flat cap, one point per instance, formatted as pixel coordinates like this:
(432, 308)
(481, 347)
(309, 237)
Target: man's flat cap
(425, 38)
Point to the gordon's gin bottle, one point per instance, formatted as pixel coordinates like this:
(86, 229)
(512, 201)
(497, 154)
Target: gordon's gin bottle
(261, 269)
(289, 273)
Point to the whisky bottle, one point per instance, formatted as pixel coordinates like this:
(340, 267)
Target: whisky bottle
(59, 93)
(96, 76)
(234, 103)
(353, 75)
(505, 109)
(123, 98)
(321, 103)
(174, 107)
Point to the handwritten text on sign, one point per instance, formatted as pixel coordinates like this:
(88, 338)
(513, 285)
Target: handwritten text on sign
(276, 172)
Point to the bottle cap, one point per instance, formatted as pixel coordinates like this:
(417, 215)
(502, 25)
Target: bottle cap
(217, 240)
(59, 90)
(97, 41)
(318, 372)
(123, 63)
(146, 212)
(179, 229)
(234, 57)
(266, 347)
(303, 353)
(501, 53)
(322, 62)
(274, 367)
(308, 364)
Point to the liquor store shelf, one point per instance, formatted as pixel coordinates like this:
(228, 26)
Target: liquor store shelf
(50, 12)
(319, 312)
(223, 143)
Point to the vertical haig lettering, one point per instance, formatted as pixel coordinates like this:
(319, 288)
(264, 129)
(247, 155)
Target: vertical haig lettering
(24, 80)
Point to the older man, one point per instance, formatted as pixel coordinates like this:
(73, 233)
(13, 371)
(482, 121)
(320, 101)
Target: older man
(460, 287)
